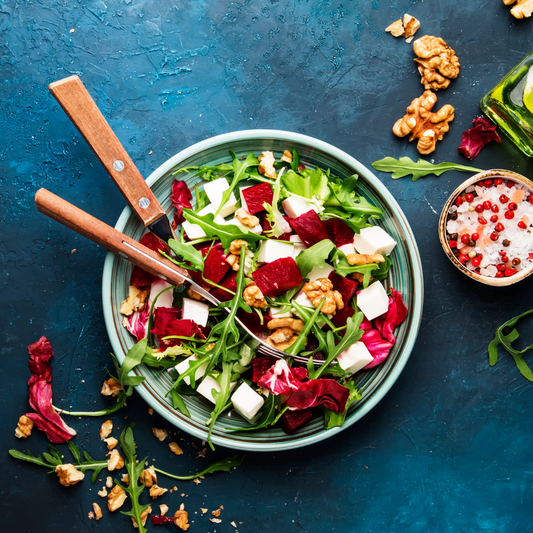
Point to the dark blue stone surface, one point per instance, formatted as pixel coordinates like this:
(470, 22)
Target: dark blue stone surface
(450, 448)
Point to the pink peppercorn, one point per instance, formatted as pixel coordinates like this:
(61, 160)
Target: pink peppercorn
(504, 199)
(494, 218)
(509, 214)
(512, 206)
(521, 225)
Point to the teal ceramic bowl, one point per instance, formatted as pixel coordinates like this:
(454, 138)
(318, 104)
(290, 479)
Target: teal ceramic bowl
(405, 276)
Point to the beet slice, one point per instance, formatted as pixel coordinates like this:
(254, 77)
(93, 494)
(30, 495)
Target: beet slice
(139, 277)
(229, 282)
(292, 420)
(256, 196)
(338, 231)
(277, 277)
(309, 228)
(260, 365)
(340, 319)
(345, 286)
(265, 224)
(215, 266)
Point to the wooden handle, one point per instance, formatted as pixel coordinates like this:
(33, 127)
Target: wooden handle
(108, 237)
(81, 109)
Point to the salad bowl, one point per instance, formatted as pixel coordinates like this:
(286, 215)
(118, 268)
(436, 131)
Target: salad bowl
(405, 276)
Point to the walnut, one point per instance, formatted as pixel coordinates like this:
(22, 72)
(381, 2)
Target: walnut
(144, 517)
(91, 515)
(287, 156)
(245, 218)
(253, 296)
(235, 246)
(357, 276)
(160, 434)
(424, 125)
(156, 491)
(396, 29)
(102, 493)
(163, 509)
(266, 165)
(116, 498)
(108, 482)
(523, 8)
(115, 461)
(174, 448)
(97, 511)
(294, 323)
(111, 443)
(105, 429)
(111, 387)
(404, 28)
(181, 519)
(135, 301)
(435, 55)
(195, 295)
(364, 259)
(323, 288)
(68, 474)
(148, 477)
(24, 427)
(234, 261)
(125, 478)
(281, 338)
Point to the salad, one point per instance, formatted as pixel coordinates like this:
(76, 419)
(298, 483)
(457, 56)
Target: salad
(291, 252)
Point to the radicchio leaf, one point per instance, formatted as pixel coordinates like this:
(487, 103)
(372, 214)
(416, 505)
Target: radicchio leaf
(40, 394)
(377, 346)
(137, 322)
(395, 315)
(279, 379)
(326, 392)
(181, 197)
(475, 138)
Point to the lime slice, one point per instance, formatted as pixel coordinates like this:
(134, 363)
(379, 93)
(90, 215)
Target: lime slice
(528, 91)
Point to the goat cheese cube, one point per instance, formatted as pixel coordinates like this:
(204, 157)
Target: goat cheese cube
(275, 312)
(355, 358)
(373, 301)
(298, 245)
(208, 384)
(244, 205)
(347, 249)
(320, 272)
(184, 366)
(196, 311)
(271, 250)
(296, 206)
(303, 300)
(215, 190)
(236, 222)
(374, 240)
(166, 299)
(247, 402)
(194, 231)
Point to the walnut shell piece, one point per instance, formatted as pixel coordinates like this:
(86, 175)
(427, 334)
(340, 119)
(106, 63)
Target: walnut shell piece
(24, 427)
(323, 288)
(437, 62)
(68, 474)
(423, 124)
(116, 498)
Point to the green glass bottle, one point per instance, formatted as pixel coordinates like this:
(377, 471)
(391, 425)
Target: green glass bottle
(511, 108)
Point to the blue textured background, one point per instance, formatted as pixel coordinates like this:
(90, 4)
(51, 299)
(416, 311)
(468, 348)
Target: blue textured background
(449, 449)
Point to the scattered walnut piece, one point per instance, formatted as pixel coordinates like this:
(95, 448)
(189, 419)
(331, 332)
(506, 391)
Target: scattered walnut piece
(294, 323)
(91, 515)
(181, 519)
(435, 55)
(215, 520)
(216, 513)
(235, 246)
(24, 427)
(150, 411)
(125, 478)
(323, 288)
(116, 498)
(522, 9)
(160, 434)
(281, 338)
(253, 296)
(148, 477)
(266, 165)
(174, 448)
(424, 125)
(144, 517)
(245, 218)
(364, 259)
(163, 509)
(234, 261)
(396, 29)
(195, 296)
(97, 511)
(109, 482)
(105, 429)
(405, 27)
(111, 443)
(68, 474)
(156, 491)
(102, 493)
(287, 156)
(115, 461)
(203, 509)
(111, 387)
(135, 300)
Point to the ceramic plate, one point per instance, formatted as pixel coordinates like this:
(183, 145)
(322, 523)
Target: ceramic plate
(405, 276)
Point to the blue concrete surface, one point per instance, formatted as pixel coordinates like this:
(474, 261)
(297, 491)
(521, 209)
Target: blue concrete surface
(449, 449)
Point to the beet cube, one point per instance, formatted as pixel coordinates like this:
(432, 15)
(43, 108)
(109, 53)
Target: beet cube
(253, 322)
(215, 266)
(228, 282)
(139, 277)
(340, 319)
(345, 286)
(256, 196)
(338, 231)
(265, 224)
(292, 420)
(309, 228)
(260, 365)
(277, 277)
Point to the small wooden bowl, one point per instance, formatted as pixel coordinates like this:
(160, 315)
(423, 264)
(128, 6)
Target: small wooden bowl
(488, 174)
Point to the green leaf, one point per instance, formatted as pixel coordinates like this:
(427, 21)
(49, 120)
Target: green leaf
(179, 404)
(299, 344)
(30, 458)
(314, 256)
(405, 166)
(188, 253)
(268, 414)
(133, 358)
(222, 465)
(378, 271)
(278, 225)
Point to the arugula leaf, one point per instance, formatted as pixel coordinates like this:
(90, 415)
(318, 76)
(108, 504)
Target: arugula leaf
(278, 225)
(297, 346)
(188, 253)
(222, 465)
(221, 397)
(201, 199)
(30, 458)
(133, 358)
(134, 468)
(332, 419)
(314, 256)
(295, 163)
(179, 404)
(377, 270)
(207, 173)
(405, 166)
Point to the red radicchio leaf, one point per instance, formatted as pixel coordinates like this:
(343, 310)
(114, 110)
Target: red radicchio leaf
(279, 379)
(137, 322)
(277, 277)
(260, 365)
(339, 232)
(292, 420)
(395, 315)
(253, 322)
(257, 196)
(139, 277)
(181, 197)
(378, 347)
(309, 228)
(475, 138)
(326, 392)
(40, 394)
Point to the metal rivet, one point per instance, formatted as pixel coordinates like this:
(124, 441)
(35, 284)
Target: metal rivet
(144, 202)
(118, 165)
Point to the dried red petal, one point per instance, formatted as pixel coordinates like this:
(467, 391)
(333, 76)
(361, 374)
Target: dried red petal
(309, 228)
(475, 138)
(326, 392)
(292, 420)
(257, 196)
(338, 231)
(139, 277)
(277, 277)
(158, 519)
(345, 286)
(181, 197)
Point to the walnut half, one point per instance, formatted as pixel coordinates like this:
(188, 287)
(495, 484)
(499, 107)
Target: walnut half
(522, 9)
(253, 296)
(68, 474)
(323, 288)
(24, 427)
(116, 498)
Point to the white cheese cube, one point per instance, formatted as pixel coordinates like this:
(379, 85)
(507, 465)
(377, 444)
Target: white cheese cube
(295, 238)
(272, 250)
(373, 301)
(236, 222)
(295, 206)
(244, 205)
(208, 384)
(194, 231)
(247, 402)
(374, 240)
(184, 366)
(347, 249)
(303, 300)
(320, 272)
(215, 190)
(275, 312)
(354, 358)
(166, 299)
(196, 311)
